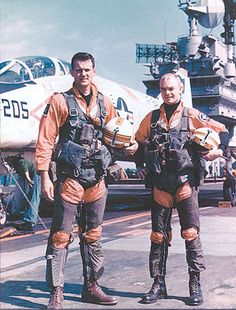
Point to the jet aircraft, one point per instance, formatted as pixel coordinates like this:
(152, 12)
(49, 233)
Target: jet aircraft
(26, 84)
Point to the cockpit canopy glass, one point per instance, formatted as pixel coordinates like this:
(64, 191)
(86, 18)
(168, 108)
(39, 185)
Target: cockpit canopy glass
(31, 67)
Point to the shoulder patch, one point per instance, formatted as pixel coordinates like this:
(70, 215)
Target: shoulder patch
(203, 117)
(45, 112)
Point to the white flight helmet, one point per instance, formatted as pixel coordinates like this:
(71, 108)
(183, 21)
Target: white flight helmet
(118, 132)
(206, 139)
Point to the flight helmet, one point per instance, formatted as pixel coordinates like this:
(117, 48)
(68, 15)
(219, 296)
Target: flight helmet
(205, 139)
(118, 132)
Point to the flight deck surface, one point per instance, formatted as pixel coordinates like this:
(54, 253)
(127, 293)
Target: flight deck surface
(126, 248)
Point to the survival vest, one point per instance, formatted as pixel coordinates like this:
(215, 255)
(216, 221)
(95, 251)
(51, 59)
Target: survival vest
(79, 153)
(170, 158)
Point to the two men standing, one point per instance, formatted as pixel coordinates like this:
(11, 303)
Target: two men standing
(78, 118)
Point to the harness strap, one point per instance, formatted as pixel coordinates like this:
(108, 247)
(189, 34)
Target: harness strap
(155, 117)
(100, 102)
(183, 132)
(184, 124)
(75, 113)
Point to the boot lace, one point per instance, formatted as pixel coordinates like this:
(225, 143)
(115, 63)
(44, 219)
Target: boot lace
(57, 295)
(195, 285)
(99, 290)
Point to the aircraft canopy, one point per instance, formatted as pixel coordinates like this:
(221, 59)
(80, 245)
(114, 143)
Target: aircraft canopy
(31, 67)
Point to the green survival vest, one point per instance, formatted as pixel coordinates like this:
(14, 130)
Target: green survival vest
(170, 158)
(80, 153)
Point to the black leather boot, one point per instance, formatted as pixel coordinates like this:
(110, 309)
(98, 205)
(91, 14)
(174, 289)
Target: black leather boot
(93, 293)
(56, 298)
(196, 297)
(157, 291)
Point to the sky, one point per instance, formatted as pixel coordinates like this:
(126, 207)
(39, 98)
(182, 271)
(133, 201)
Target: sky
(108, 29)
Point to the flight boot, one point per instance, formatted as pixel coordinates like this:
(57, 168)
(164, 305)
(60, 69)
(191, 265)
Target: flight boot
(157, 291)
(195, 292)
(93, 293)
(56, 298)
(26, 227)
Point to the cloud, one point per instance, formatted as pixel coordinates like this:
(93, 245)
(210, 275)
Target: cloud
(14, 38)
(25, 37)
(53, 27)
(12, 30)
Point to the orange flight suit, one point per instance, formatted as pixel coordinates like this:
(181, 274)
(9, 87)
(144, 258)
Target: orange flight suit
(196, 120)
(52, 120)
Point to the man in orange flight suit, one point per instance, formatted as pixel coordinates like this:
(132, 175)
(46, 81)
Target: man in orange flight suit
(173, 165)
(77, 117)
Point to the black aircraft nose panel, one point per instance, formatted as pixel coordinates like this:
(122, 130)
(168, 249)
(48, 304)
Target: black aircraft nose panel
(5, 87)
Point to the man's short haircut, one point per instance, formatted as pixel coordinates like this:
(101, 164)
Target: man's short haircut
(81, 56)
(170, 75)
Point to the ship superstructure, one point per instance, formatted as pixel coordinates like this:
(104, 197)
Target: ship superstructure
(210, 62)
